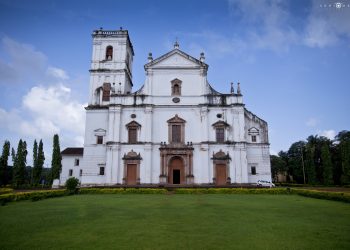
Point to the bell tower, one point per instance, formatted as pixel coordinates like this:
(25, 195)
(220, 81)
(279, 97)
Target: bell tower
(111, 65)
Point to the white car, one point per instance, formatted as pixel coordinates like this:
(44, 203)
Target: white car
(262, 183)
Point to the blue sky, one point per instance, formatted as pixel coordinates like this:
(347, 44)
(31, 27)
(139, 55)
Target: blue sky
(292, 59)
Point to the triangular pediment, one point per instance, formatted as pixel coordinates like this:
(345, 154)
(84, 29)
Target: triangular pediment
(220, 124)
(176, 119)
(100, 131)
(253, 131)
(133, 124)
(175, 59)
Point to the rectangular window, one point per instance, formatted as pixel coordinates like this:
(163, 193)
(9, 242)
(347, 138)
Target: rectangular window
(99, 139)
(220, 134)
(176, 133)
(132, 135)
(253, 138)
(106, 91)
(80, 172)
(70, 172)
(76, 162)
(253, 169)
(102, 170)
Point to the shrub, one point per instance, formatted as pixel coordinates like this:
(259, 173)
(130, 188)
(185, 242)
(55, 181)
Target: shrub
(122, 191)
(6, 190)
(72, 184)
(335, 196)
(231, 191)
(34, 196)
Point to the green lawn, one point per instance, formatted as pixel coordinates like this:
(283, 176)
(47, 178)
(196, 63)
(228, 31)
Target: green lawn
(176, 222)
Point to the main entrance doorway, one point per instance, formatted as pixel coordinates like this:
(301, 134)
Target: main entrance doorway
(221, 176)
(131, 174)
(176, 174)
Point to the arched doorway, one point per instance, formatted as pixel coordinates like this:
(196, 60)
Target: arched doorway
(176, 171)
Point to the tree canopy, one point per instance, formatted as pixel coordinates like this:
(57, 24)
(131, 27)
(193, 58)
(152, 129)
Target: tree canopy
(320, 160)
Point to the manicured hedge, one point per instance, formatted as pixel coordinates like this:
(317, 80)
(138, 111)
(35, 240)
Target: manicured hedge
(38, 195)
(287, 184)
(34, 196)
(231, 191)
(5, 190)
(122, 191)
(335, 196)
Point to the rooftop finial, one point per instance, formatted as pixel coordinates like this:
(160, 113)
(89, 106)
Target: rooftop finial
(238, 88)
(202, 57)
(232, 89)
(176, 44)
(150, 58)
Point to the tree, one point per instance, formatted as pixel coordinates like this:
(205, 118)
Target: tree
(295, 161)
(4, 176)
(38, 161)
(343, 139)
(56, 164)
(310, 159)
(278, 166)
(326, 164)
(19, 163)
(41, 159)
(35, 161)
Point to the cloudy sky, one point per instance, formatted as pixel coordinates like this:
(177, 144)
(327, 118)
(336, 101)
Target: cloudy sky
(292, 59)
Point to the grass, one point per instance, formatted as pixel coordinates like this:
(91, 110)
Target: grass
(133, 221)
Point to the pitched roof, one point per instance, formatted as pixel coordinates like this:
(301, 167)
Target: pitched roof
(73, 151)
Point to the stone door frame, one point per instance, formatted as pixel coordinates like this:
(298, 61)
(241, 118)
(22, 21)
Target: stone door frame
(131, 158)
(167, 153)
(220, 158)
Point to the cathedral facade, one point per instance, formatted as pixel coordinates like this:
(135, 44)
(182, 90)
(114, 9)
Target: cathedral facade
(176, 129)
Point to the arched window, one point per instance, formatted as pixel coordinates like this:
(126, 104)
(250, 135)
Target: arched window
(176, 87)
(98, 96)
(109, 53)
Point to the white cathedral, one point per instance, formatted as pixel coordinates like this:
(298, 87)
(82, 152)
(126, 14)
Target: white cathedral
(175, 130)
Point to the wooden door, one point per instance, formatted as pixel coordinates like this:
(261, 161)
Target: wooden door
(131, 174)
(221, 175)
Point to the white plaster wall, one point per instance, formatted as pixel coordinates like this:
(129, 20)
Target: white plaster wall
(153, 106)
(155, 131)
(68, 162)
(258, 156)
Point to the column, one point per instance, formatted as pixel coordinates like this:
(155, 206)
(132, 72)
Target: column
(109, 165)
(117, 165)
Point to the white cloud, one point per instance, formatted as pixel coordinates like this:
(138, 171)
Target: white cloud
(45, 112)
(326, 26)
(54, 107)
(312, 122)
(330, 134)
(48, 107)
(25, 62)
(271, 25)
(57, 73)
(267, 23)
